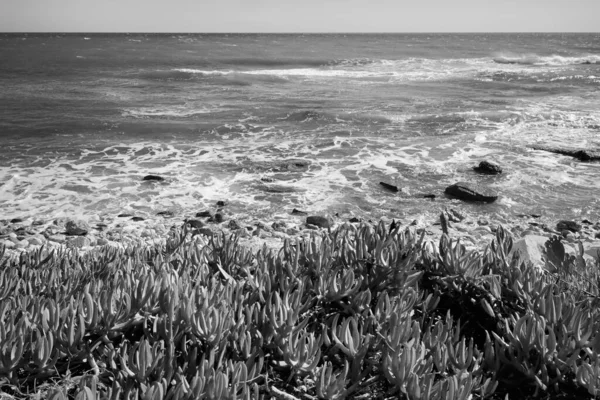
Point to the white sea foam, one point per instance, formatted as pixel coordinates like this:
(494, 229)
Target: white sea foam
(173, 111)
(411, 69)
(551, 60)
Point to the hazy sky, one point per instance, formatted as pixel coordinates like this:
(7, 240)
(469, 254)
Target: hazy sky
(300, 15)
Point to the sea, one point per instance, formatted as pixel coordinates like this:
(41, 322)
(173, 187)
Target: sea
(270, 123)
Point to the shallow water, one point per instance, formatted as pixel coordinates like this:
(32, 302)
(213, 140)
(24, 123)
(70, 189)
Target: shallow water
(313, 122)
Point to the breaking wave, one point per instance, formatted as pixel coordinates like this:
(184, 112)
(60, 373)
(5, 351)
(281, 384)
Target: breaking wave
(553, 60)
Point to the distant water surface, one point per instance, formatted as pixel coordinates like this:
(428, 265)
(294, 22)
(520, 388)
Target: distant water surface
(313, 122)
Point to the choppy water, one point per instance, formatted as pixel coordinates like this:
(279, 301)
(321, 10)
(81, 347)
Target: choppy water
(276, 122)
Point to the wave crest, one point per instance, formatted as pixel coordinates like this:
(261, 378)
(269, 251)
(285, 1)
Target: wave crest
(553, 60)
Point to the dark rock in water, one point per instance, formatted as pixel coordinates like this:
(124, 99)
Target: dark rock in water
(221, 203)
(298, 212)
(486, 167)
(204, 214)
(354, 220)
(16, 220)
(317, 220)
(166, 214)
(267, 179)
(101, 227)
(76, 228)
(124, 215)
(136, 219)
(471, 192)
(153, 178)
(587, 222)
(219, 218)
(389, 187)
(580, 154)
(429, 196)
(565, 225)
(37, 222)
(194, 223)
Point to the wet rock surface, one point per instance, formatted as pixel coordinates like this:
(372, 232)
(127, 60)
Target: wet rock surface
(580, 154)
(566, 225)
(77, 227)
(390, 187)
(155, 178)
(488, 168)
(471, 192)
(319, 221)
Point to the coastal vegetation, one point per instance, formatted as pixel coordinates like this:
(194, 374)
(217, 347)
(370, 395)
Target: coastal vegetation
(363, 311)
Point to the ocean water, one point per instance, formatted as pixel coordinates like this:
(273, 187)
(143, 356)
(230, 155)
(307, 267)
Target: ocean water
(313, 122)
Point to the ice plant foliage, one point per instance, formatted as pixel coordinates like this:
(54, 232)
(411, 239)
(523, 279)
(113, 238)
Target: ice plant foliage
(360, 312)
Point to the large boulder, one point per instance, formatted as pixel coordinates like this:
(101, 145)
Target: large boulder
(532, 248)
(486, 167)
(320, 221)
(77, 227)
(471, 192)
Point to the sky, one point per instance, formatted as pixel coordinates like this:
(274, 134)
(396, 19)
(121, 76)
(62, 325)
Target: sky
(300, 16)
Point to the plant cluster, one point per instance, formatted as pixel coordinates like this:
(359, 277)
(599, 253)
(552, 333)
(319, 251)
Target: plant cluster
(361, 312)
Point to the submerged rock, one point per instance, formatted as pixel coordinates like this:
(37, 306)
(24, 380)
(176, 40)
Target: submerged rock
(486, 167)
(153, 178)
(471, 192)
(166, 214)
(137, 219)
(77, 227)
(277, 188)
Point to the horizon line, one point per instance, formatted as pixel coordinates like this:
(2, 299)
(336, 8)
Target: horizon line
(296, 33)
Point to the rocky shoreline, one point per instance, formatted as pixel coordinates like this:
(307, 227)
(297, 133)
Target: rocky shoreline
(530, 232)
